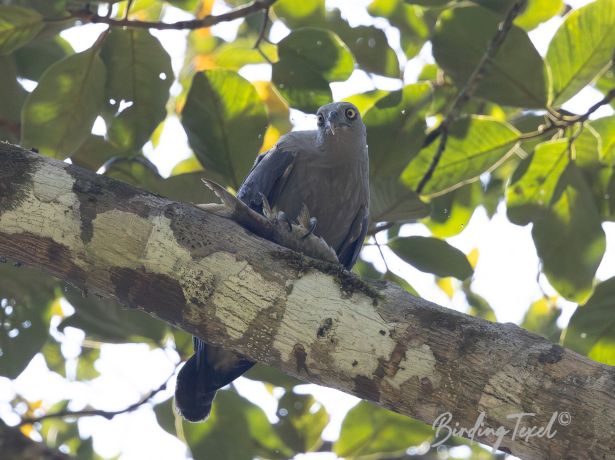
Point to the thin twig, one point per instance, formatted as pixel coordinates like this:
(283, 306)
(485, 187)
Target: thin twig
(263, 31)
(568, 120)
(469, 88)
(97, 412)
(565, 121)
(379, 228)
(109, 10)
(261, 36)
(207, 21)
(605, 100)
(128, 6)
(381, 254)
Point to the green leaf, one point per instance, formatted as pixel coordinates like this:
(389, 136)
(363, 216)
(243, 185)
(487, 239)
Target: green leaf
(371, 49)
(58, 115)
(591, 330)
(139, 171)
(541, 318)
(37, 56)
(271, 375)
(47, 8)
(94, 153)
(225, 121)
(537, 12)
(167, 417)
(303, 87)
(606, 82)
(550, 191)
(603, 189)
(370, 430)
(366, 270)
(12, 97)
(365, 101)
(432, 255)
(533, 184)
(475, 145)
(86, 362)
(134, 170)
(492, 194)
(52, 352)
(187, 188)
(319, 49)
(235, 430)
(187, 5)
(409, 19)
(17, 27)
(234, 55)
(58, 432)
(106, 321)
(530, 123)
(586, 147)
(310, 58)
(569, 238)
(401, 282)
(302, 421)
(138, 72)
(368, 44)
(26, 298)
(188, 165)
(395, 129)
(451, 212)
(581, 49)
(149, 10)
(479, 306)
(429, 3)
(515, 77)
(392, 201)
(300, 14)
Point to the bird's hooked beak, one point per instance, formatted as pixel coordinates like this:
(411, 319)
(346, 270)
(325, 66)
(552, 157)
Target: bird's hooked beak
(332, 121)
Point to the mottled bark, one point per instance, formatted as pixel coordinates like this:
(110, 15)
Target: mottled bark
(212, 278)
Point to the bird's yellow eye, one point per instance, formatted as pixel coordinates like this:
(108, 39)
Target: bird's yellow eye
(321, 119)
(351, 113)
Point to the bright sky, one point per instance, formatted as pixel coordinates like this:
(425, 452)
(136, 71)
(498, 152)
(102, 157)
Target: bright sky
(505, 274)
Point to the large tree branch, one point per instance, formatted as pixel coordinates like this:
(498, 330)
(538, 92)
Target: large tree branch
(212, 278)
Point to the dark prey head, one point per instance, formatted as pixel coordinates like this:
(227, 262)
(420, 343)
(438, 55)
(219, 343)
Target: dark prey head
(340, 121)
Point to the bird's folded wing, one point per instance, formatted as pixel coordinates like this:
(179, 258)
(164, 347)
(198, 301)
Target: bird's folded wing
(350, 248)
(266, 178)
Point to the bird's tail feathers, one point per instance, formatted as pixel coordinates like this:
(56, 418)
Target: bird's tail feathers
(208, 370)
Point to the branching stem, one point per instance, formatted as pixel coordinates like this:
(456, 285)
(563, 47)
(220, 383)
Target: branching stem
(468, 90)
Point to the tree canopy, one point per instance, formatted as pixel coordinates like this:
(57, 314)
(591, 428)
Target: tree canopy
(480, 127)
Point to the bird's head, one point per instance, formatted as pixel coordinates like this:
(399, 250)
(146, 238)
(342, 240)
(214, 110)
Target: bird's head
(339, 119)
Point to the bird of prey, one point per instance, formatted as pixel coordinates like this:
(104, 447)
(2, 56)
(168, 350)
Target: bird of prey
(319, 178)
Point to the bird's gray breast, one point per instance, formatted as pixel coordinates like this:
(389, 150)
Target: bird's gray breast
(333, 190)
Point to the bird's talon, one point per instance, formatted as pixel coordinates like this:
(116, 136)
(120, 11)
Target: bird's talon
(311, 228)
(282, 217)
